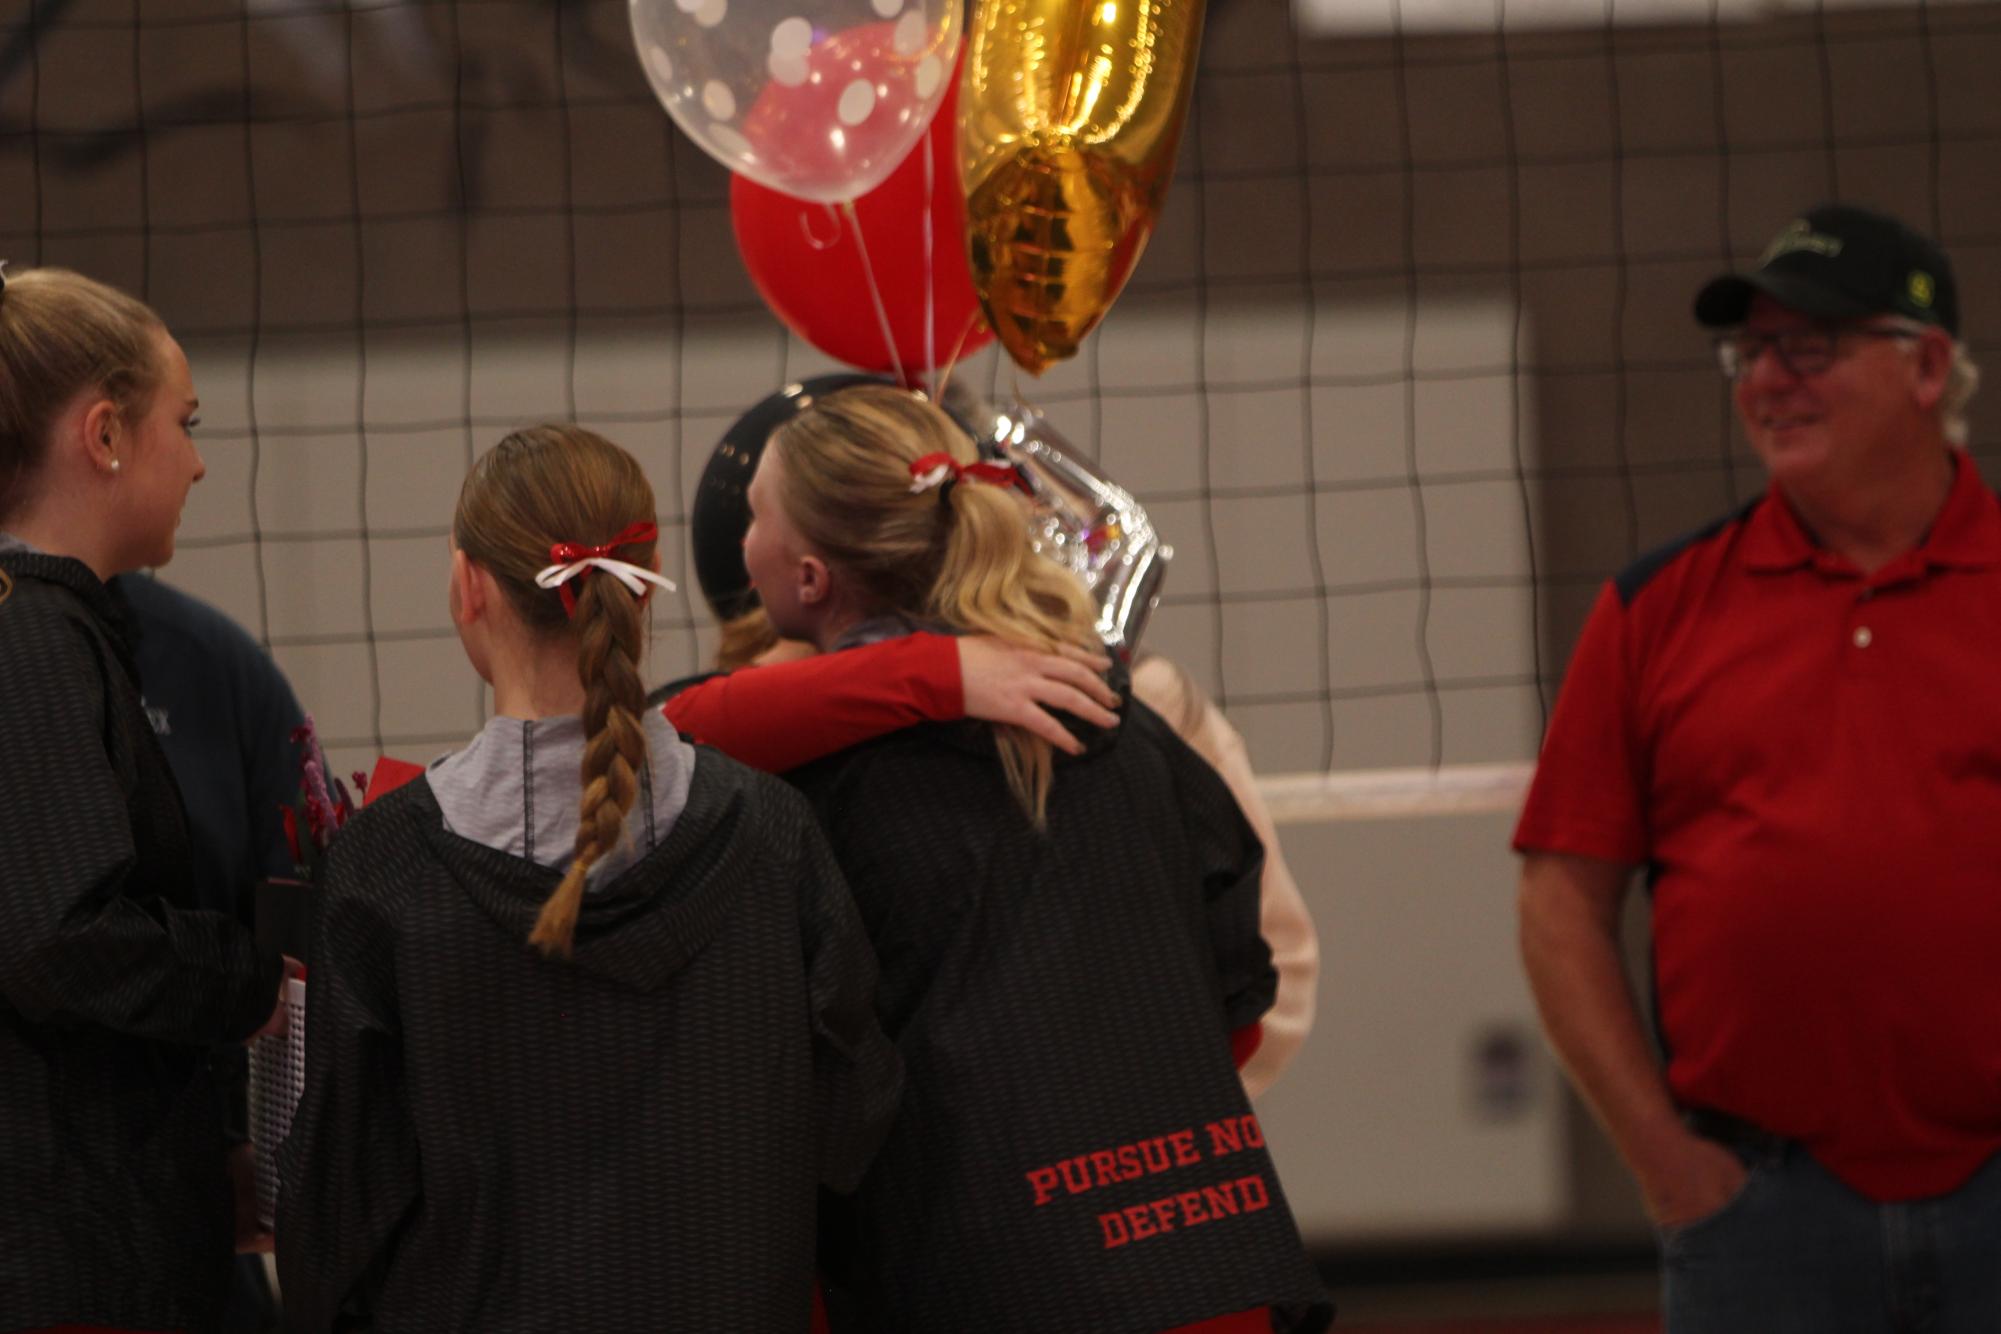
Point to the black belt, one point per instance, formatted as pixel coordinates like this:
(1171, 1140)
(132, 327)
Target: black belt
(1733, 1131)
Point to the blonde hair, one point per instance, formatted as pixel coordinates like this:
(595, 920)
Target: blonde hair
(60, 335)
(536, 488)
(957, 555)
(744, 638)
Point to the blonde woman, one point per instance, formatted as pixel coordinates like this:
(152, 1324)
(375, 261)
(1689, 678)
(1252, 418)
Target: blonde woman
(802, 705)
(114, 1203)
(589, 1007)
(1068, 944)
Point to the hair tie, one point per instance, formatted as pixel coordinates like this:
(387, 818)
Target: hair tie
(942, 470)
(573, 561)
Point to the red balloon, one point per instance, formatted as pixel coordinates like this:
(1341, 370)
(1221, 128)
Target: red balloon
(814, 271)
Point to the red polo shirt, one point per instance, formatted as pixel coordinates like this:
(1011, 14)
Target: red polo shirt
(1810, 761)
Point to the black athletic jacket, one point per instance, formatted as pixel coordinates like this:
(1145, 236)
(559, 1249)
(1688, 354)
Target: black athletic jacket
(492, 1141)
(1074, 1151)
(114, 1202)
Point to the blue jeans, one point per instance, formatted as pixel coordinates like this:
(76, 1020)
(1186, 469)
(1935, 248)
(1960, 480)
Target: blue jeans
(1798, 1252)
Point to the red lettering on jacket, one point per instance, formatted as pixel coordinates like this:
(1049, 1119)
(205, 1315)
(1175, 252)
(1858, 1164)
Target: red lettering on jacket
(1116, 1233)
(1233, 1134)
(1098, 1168)
(1185, 1209)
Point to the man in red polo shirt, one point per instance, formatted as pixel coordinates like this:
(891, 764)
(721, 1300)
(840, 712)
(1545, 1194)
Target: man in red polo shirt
(1792, 720)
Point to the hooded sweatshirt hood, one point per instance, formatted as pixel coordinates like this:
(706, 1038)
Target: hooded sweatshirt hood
(658, 903)
(516, 788)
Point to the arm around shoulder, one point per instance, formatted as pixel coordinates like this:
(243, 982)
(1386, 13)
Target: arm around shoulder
(782, 715)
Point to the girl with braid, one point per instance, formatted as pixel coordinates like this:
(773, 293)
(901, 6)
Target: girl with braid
(589, 1008)
(1069, 943)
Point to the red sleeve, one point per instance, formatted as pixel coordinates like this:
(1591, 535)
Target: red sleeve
(1587, 797)
(779, 717)
(1244, 1043)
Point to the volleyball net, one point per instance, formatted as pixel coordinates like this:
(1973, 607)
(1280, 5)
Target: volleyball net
(1406, 371)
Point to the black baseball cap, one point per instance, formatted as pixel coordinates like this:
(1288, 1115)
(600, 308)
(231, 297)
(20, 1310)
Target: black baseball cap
(1840, 262)
(719, 515)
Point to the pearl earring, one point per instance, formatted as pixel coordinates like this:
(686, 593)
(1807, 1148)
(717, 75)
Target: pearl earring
(116, 464)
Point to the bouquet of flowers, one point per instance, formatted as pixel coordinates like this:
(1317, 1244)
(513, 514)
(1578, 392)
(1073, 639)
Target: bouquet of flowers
(321, 809)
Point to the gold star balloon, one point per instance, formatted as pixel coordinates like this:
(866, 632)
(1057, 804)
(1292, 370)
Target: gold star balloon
(1069, 116)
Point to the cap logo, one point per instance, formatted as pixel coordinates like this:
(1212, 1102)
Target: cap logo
(1920, 288)
(1800, 236)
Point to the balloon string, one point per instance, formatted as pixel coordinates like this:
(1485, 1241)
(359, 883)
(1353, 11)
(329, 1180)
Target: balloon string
(930, 269)
(874, 292)
(952, 361)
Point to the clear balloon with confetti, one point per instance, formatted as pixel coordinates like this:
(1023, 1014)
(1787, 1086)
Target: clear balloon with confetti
(819, 99)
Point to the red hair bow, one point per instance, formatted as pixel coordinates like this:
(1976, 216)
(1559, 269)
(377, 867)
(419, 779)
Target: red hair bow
(937, 469)
(572, 561)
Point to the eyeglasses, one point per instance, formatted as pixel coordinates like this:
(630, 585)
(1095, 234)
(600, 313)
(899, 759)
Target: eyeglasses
(1803, 352)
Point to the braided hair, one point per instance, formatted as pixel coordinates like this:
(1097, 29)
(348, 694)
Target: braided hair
(536, 488)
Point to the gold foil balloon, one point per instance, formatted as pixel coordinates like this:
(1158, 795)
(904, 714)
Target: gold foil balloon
(1069, 117)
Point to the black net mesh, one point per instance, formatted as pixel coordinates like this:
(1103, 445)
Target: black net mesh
(1407, 370)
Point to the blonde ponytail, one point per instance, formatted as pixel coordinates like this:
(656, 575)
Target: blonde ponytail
(991, 581)
(744, 638)
(958, 554)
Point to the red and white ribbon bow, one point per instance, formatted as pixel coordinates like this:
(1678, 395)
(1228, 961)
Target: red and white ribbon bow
(937, 469)
(574, 561)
